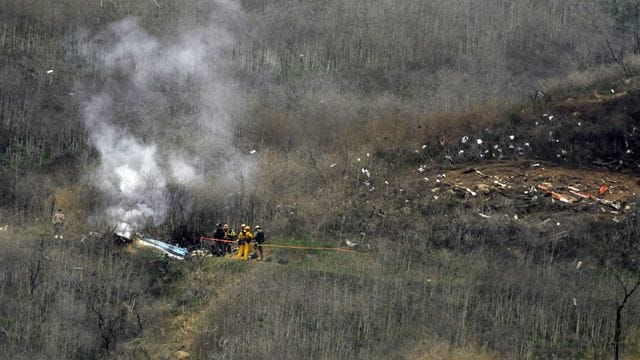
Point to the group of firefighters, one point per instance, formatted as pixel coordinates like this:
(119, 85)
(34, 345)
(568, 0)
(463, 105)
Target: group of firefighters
(224, 236)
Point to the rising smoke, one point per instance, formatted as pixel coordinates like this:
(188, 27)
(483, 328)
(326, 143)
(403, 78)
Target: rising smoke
(163, 113)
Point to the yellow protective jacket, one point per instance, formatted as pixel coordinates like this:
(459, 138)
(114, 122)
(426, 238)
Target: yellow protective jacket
(57, 218)
(244, 236)
(230, 235)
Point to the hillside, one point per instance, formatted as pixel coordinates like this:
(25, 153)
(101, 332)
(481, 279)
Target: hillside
(437, 180)
(467, 259)
(462, 259)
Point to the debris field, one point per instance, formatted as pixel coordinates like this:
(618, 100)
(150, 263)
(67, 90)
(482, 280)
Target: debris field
(526, 185)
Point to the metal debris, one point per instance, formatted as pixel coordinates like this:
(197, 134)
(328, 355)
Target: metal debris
(557, 196)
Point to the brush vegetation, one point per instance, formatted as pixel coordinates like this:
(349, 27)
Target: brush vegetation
(334, 88)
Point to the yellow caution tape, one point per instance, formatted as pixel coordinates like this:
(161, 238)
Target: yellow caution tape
(318, 248)
(297, 247)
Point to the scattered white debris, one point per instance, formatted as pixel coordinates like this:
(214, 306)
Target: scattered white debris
(372, 188)
(579, 123)
(578, 265)
(460, 152)
(515, 216)
(407, 200)
(484, 216)
(368, 155)
(350, 243)
(511, 137)
(366, 172)
(479, 141)
(50, 71)
(545, 115)
(527, 144)
(333, 165)
(629, 151)
(448, 157)
(436, 197)
(464, 139)
(550, 117)
(367, 183)
(252, 152)
(613, 91)
(421, 168)
(386, 182)
(71, 94)
(496, 146)
(558, 224)
(424, 147)
(564, 152)
(358, 159)
(575, 302)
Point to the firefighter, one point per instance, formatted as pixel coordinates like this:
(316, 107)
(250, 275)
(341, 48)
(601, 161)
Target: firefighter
(259, 236)
(219, 245)
(244, 239)
(58, 224)
(229, 235)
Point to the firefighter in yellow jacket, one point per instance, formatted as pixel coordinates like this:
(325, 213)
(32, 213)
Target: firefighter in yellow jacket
(244, 239)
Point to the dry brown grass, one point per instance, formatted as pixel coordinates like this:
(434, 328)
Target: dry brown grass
(438, 350)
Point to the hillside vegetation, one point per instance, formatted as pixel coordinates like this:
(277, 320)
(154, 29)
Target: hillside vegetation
(418, 130)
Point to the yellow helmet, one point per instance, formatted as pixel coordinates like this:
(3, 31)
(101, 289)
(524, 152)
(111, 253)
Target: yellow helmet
(257, 227)
(246, 228)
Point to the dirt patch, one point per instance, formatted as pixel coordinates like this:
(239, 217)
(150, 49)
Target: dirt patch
(530, 184)
(524, 177)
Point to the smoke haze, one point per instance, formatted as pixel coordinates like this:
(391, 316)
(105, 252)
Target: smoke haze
(163, 111)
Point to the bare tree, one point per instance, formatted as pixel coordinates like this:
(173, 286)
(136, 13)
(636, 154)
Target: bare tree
(628, 290)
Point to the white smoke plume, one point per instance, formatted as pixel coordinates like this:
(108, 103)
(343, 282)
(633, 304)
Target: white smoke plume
(163, 111)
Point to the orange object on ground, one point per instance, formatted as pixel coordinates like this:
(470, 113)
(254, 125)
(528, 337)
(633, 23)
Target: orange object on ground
(603, 189)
